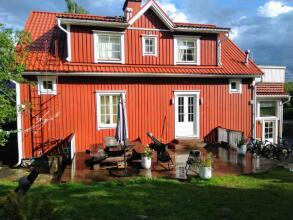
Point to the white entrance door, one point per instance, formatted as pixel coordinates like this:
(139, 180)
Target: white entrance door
(186, 114)
(269, 131)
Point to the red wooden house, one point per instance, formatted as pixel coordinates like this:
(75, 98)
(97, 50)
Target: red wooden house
(180, 80)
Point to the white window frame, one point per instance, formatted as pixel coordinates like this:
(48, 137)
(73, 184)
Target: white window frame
(156, 45)
(238, 83)
(197, 41)
(41, 90)
(122, 46)
(268, 117)
(101, 126)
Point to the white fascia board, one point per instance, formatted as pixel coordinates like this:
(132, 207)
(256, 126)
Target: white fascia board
(158, 11)
(85, 22)
(121, 74)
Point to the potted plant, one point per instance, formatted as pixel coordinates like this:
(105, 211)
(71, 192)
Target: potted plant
(242, 146)
(146, 158)
(205, 167)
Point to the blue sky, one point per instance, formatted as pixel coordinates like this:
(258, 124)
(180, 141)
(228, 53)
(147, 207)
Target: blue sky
(263, 26)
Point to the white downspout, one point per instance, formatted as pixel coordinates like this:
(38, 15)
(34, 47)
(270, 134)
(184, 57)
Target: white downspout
(254, 110)
(19, 124)
(67, 31)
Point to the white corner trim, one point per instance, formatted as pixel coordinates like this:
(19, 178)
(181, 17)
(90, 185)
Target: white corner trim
(19, 124)
(158, 11)
(122, 46)
(41, 90)
(144, 37)
(101, 126)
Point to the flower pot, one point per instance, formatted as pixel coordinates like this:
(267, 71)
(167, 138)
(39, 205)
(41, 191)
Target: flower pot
(146, 162)
(242, 149)
(205, 172)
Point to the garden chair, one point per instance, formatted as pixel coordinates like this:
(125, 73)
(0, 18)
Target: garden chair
(161, 149)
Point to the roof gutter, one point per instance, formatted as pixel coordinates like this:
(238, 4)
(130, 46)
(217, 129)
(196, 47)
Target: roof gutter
(119, 74)
(202, 30)
(67, 32)
(87, 22)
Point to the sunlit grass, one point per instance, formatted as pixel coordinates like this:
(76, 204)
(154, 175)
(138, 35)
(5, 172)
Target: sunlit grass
(229, 197)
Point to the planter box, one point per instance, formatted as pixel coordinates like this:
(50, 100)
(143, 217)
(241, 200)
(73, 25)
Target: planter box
(146, 163)
(242, 149)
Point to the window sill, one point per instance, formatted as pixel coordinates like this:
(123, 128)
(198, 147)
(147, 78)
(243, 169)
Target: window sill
(107, 127)
(47, 93)
(109, 61)
(267, 118)
(191, 63)
(235, 92)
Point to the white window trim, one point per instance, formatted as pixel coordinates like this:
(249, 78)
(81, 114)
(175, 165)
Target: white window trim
(122, 40)
(238, 81)
(195, 38)
(143, 45)
(41, 90)
(101, 126)
(259, 118)
(276, 128)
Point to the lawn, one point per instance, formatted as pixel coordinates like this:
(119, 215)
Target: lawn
(263, 196)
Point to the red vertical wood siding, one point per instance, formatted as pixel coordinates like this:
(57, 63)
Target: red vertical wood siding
(82, 43)
(73, 109)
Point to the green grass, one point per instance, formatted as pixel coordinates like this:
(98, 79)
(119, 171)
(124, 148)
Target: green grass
(263, 196)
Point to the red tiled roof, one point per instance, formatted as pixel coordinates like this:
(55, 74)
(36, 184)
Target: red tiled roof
(270, 89)
(44, 31)
(203, 26)
(92, 17)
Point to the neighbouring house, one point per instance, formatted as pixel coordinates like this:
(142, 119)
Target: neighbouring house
(271, 97)
(180, 80)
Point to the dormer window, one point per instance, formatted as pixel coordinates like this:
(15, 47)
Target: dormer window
(109, 47)
(187, 50)
(149, 45)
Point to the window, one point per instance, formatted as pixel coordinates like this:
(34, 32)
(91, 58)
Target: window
(47, 85)
(235, 86)
(109, 47)
(149, 45)
(267, 109)
(187, 50)
(107, 108)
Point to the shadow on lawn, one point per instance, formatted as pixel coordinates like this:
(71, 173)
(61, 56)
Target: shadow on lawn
(254, 197)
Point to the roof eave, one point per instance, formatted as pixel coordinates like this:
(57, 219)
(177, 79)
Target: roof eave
(202, 30)
(127, 74)
(87, 22)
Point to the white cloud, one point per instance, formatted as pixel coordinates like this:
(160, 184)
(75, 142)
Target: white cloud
(173, 12)
(273, 9)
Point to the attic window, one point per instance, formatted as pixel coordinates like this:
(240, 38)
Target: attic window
(235, 86)
(187, 50)
(149, 45)
(109, 47)
(47, 85)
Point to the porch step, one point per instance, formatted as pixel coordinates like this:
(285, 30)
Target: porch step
(188, 145)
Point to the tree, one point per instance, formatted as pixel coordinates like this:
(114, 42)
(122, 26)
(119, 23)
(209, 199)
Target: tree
(73, 7)
(13, 49)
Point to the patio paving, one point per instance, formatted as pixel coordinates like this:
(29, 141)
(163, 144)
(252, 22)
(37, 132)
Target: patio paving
(226, 162)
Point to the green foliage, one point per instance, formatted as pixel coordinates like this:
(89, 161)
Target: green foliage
(147, 153)
(13, 50)
(18, 207)
(206, 162)
(289, 87)
(73, 7)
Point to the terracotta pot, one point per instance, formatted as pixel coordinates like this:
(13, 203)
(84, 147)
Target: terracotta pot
(146, 162)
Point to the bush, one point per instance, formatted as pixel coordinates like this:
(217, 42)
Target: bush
(18, 207)
(288, 113)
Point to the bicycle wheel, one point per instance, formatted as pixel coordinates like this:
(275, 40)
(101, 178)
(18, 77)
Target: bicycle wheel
(269, 151)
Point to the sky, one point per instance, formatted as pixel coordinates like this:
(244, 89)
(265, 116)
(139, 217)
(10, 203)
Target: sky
(263, 26)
